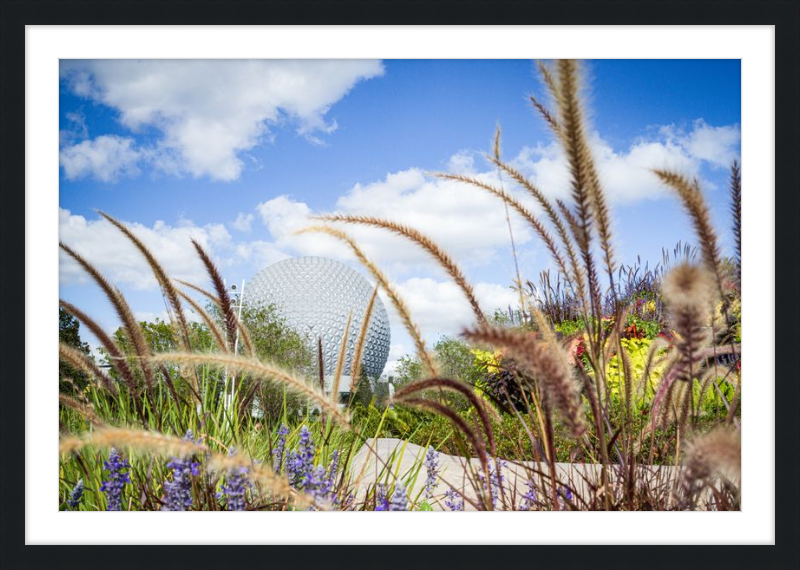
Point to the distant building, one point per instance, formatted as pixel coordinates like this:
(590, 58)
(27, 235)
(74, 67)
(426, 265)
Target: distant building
(316, 295)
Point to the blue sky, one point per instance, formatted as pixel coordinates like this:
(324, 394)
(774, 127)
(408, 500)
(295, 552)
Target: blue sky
(238, 154)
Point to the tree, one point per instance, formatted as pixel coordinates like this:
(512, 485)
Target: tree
(275, 341)
(456, 361)
(272, 340)
(69, 333)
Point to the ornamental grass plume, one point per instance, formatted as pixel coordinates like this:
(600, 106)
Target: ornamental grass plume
(355, 373)
(552, 372)
(225, 305)
(718, 452)
(259, 372)
(120, 364)
(116, 479)
(460, 387)
(426, 243)
(82, 362)
(391, 291)
(736, 210)
(695, 205)
(124, 313)
(76, 496)
(690, 293)
(169, 290)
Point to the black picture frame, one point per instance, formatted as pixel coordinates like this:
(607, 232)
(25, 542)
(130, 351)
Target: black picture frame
(15, 14)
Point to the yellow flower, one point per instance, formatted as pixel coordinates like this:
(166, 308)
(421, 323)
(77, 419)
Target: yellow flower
(488, 360)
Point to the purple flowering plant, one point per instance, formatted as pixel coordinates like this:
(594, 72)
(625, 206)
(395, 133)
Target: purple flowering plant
(178, 489)
(116, 478)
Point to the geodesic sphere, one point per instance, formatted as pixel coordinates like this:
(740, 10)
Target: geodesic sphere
(315, 295)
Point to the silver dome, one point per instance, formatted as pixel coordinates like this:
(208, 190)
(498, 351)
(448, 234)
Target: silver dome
(315, 295)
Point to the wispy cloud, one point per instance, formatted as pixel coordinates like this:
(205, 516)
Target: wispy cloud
(103, 245)
(243, 222)
(627, 174)
(469, 223)
(106, 158)
(209, 112)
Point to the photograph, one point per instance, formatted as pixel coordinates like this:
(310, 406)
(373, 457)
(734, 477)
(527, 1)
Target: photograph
(400, 285)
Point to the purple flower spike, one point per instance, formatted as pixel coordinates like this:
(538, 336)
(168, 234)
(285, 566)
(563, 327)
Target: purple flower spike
(432, 468)
(566, 494)
(235, 487)
(300, 464)
(529, 497)
(381, 500)
(178, 491)
(280, 445)
(117, 477)
(496, 479)
(399, 500)
(453, 501)
(76, 495)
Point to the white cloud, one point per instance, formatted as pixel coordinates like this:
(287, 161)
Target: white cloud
(284, 216)
(259, 254)
(211, 111)
(716, 145)
(243, 222)
(626, 175)
(439, 307)
(117, 258)
(462, 162)
(396, 352)
(77, 129)
(468, 223)
(105, 158)
(151, 316)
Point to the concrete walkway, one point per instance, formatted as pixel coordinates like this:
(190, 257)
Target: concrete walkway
(406, 461)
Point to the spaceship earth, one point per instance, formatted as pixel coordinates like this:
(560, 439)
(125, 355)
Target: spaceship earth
(315, 295)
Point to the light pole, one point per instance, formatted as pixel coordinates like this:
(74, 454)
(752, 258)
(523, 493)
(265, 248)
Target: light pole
(236, 343)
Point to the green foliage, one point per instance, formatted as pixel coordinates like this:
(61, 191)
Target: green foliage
(513, 318)
(636, 327)
(571, 327)
(613, 437)
(69, 334)
(69, 331)
(454, 357)
(409, 368)
(456, 360)
(637, 349)
(274, 340)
